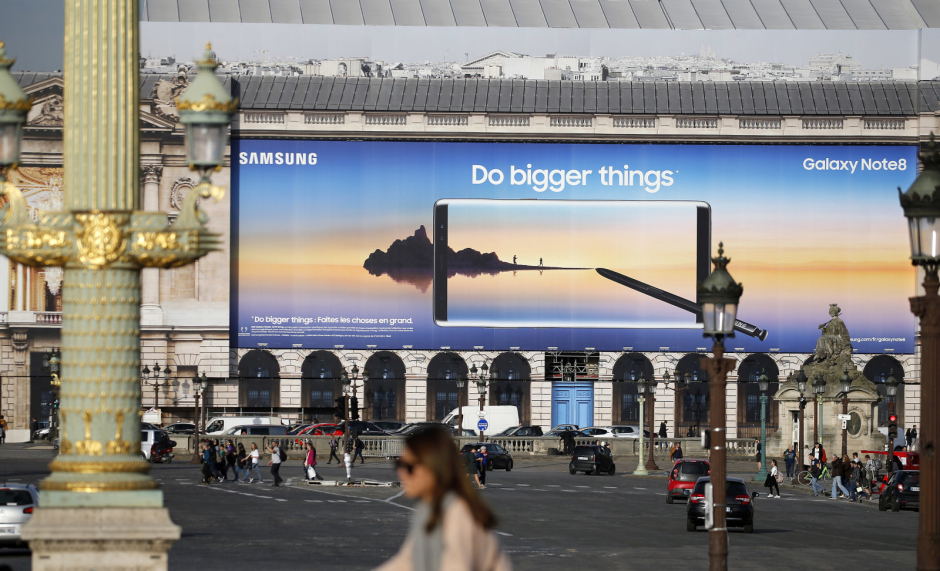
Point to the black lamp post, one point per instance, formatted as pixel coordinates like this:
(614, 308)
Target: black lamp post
(846, 387)
(819, 388)
(801, 385)
(461, 383)
(763, 383)
(718, 296)
(154, 375)
(199, 388)
(652, 383)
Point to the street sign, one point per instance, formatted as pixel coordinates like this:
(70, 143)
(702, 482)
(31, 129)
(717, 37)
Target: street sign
(844, 417)
(481, 414)
(482, 424)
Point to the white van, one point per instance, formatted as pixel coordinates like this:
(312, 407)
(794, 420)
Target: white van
(498, 418)
(221, 424)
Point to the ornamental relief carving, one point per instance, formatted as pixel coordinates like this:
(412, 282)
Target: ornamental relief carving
(179, 191)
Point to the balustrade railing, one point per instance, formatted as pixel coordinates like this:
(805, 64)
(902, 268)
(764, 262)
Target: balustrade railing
(634, 122)
(448, 120)
(759, 124)
(386, 120)
(570, 121)
(696, 123)
(263, 118)
(509, 121)
(325, 119)
(822, 123)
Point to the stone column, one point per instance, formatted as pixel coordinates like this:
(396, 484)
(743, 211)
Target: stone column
(150, 311)
(21, 375)
(99, 508)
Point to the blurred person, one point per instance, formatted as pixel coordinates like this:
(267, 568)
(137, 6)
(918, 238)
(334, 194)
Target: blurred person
(789, 459)
(333, 447)
(451, 528)
(771, 482)
(310, 462)
(481, 463)
(254, 459)
(359, 446)
(815, 470)
(277, 458)
(472, 466)
(241, 464)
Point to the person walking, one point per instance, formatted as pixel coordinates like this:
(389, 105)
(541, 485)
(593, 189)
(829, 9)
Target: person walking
(677, 453)
(837, 478)
(310, 462)
(3, 429)
(758, 452)
(213, 460)
(451, 527)
(481, 464)
(205, 468)
(230, 459)
(277, 457)
(855, 476)
(789, 459)
(471, 466)
(333, 447)
(771, 481)
(914, 443)
(359, 448)
(347, 455)
(815, 470)
(241, 464)
(33, 428)
(254, 460)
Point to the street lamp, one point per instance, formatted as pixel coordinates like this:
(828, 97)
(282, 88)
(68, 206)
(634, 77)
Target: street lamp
(763, 383)
(718, 296)
(846, 387)
(154, 375)
(481, 380)
(14, 105)
(652, 383)
(891, 388)
(801, 385)
(819, 388)
(344, 378)
(641, 392)
(199, 388)
(206, 110)
(461, 383)
(921, 204)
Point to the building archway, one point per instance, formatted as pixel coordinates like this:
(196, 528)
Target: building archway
(384, 387)
(443, 394)
(627, 370)
(511, 382)
(748, 411)
(320, 385)
(691, 404)
(259, 382)
(877, 371)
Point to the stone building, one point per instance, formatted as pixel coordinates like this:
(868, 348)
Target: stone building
(185, 311)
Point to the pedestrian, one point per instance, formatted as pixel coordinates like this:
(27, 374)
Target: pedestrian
(347, 455)
(807, 457)
(855, 476)
(690, 433)
(359, 447)
(567, 440)
(310, 462)
(205, 469)
(815, 470)
(758, 452)
(451, 527)
(662, 429)
(33, 428)
(230, 459)
(333, 447)
(788, 459)
(254, 459)
(771, 481)
(907, 437)
(837, 479)
(914, 443)
(277, 457)
(471, 466)
(241, 464)
(3, 433)
(677, 453)
(481, 464)
(213, 460)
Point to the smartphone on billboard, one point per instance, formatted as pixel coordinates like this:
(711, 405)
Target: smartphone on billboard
(569, 263)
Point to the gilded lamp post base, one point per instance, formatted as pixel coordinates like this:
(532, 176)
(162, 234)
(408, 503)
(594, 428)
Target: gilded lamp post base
(100, 539)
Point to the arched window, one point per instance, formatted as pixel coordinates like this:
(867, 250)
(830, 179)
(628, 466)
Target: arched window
(443, 395)
(259, 381)
(320, 385)
(748, 412)
(384, 387)
(691, 405)
(511, 384)
(627, 370)
(877, 371)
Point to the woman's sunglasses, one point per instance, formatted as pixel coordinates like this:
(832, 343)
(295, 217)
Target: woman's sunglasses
(406, 466)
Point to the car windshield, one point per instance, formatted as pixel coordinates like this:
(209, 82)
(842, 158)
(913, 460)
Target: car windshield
(910, 478)
(693, 468)
(731, 488)
(508, 431)
(622, 430)
(10, 497)
(215, 426)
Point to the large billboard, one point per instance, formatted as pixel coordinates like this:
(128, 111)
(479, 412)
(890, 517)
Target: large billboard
(380, 244)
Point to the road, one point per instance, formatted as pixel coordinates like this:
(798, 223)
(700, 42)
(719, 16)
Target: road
(548, 519)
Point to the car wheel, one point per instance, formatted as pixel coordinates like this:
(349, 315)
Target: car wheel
(881, 505)
(509, 466)
(749, 527)
(689, 525)
(669, 499)
(612, 471)
(895, 505)
(489, 467)
(572, 471)
(597, 470)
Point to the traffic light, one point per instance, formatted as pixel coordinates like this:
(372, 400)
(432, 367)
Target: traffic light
(340, 410)
(354, 408)
(892, 429)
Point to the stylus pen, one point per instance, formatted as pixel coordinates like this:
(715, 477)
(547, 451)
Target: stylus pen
(677, 301)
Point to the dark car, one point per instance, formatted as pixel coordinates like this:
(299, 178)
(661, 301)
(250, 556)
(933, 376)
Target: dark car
(901, 491)
(522, 430)
(740, 505)
(181, 428)
(592, 460)
(683, 476)
(389, 425)
(363, 428)
(558, 433)
(496, 455)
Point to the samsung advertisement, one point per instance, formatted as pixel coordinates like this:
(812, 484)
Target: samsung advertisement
(492, 246)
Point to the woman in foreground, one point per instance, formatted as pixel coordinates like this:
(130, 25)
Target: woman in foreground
(451, 528)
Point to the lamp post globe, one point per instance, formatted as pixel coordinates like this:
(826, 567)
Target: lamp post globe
(718, 296)
(801, 381)
(921, 205)
(206, 110)
(14, 105)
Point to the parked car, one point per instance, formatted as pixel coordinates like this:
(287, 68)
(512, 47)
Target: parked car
(257, 430)
(739, 511)
(17, 502)
(683, 476)
(389, 425)
(564, 426)
(296, 427)
(322, 429)
(413, 427)
(592, 459)
(181, 428)
(498, 417)
(598, 432)
(363, 428)
(902, 491)
(558, 433)
(521, 430)
(223, 424)
(496, 456)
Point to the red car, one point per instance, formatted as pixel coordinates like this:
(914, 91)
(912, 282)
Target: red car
(322, 429)
(683, 476)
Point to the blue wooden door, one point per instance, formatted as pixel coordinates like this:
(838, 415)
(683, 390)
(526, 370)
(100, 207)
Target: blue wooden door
(573, 403)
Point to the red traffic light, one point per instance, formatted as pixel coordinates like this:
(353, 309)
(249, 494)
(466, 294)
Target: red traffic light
(893, 418)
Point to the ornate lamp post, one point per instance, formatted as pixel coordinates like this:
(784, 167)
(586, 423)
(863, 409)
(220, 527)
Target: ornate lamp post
(763, 383)
(344, 378)
(650, 462)
(801, 385)
(921, 204)
(718, 295)
(846, 387)
(154, 375)
(199, 388)
(819, 389)
(354, 400)
(891, 388)
(14, 105)
(461, 383)
(481, 380)
(641, 394)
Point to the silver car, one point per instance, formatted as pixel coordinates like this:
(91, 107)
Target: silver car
(17, 502)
